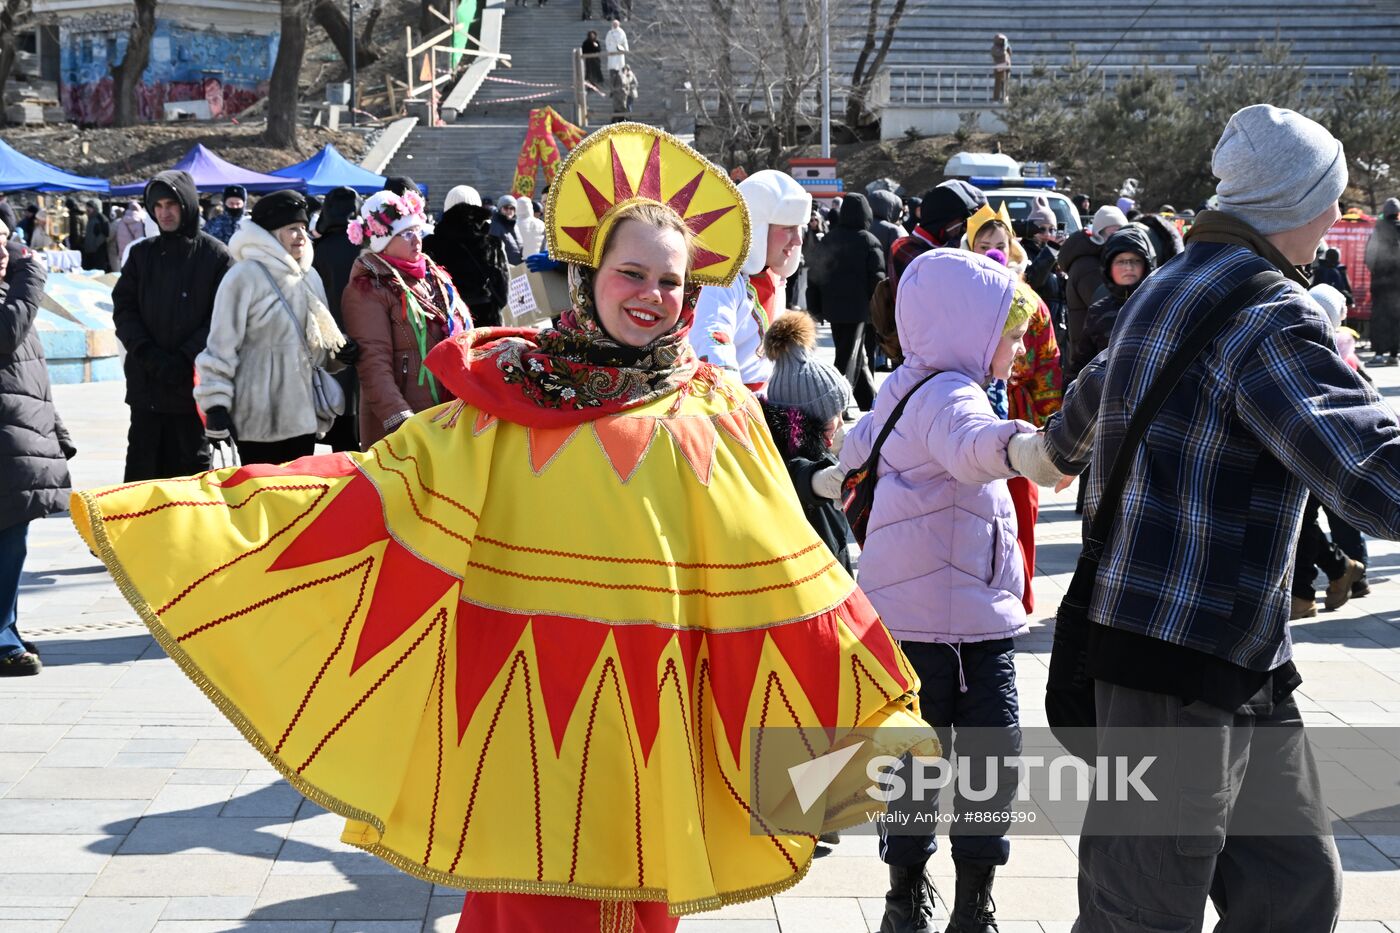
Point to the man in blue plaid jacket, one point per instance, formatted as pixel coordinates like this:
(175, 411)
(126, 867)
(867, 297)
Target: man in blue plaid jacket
(1191, 601)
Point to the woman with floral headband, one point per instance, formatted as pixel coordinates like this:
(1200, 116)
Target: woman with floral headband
(398, 306)
(532, 643)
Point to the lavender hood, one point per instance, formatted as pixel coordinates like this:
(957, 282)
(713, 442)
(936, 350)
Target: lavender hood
(941, 561)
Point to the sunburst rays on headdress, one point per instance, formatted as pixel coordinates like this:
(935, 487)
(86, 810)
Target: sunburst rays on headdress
(630, 163)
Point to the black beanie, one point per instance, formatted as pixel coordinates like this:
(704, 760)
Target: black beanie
(399, 184)
(279, 209)
(951, 202)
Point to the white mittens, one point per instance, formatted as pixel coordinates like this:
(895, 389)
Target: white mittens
(1030, 456)
(826, 482)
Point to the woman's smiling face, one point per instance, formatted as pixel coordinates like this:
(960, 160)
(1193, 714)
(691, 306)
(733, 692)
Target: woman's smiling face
(640, 286)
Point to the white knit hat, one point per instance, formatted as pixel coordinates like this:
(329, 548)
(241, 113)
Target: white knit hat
(385, 215)
(461, 194)
(1331, 301)
(1106, 216)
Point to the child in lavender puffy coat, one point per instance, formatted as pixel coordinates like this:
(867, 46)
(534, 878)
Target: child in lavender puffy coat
(941, 562)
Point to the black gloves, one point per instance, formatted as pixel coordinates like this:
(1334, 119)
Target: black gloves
(350, 353)
(218, 426)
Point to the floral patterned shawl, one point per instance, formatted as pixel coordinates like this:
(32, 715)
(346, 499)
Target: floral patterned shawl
(572, 373)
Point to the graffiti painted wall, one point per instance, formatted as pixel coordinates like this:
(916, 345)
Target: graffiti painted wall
(229, 70)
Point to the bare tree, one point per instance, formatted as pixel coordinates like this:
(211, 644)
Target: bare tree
(12, 16)
(126, 74)
(330, 17)
(871, 60)
(752, 68)
(282, 92)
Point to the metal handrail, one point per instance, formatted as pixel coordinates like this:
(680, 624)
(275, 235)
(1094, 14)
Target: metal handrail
(966, 84)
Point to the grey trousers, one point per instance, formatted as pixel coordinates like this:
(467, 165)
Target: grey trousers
(1250, 767)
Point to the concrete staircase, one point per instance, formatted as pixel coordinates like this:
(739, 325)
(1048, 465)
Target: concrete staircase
(481, 148)
(480, 151)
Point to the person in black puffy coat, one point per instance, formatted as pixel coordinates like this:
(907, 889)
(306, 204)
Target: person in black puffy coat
(34, 447)
(161, 307)
(1127, 259)
(849, 265)
(463, 245)
(334, 256)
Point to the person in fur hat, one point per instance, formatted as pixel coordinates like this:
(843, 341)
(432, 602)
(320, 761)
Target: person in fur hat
(270, 315)
(803, 406)
(730, 321)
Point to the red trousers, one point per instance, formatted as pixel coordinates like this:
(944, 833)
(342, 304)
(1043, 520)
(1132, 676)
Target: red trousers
(1026, 498)
(538, 913)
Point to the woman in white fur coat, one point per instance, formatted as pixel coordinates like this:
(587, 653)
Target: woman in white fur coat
(255, 374)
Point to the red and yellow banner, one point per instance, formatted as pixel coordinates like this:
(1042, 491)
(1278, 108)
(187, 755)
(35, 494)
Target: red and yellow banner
(546, 131)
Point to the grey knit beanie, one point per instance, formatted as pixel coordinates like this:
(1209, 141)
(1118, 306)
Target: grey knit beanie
(799, 379)
(1277, 169)
(1391, 207)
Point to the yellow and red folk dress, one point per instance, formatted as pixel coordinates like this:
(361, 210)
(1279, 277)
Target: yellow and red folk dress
(527, 647)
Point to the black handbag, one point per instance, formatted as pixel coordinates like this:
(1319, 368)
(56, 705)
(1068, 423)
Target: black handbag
(1069, 692)
(859, 484)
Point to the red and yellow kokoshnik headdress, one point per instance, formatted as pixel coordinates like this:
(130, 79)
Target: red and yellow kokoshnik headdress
(630, 163)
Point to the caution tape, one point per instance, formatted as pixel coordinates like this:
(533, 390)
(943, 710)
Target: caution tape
(538, 95)
(521, 83)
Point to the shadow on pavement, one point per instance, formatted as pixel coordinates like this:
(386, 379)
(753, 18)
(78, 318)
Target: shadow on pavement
(256, 825)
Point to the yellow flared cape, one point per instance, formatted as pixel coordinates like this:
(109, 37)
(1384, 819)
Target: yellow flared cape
(529, 659)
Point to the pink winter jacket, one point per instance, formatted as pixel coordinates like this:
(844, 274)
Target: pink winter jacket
(941, 560)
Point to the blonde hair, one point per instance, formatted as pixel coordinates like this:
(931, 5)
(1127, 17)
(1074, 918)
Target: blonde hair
(1024, 302)
(658, 217)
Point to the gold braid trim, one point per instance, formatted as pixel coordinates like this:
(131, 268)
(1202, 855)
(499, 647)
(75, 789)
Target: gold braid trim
(171, 646)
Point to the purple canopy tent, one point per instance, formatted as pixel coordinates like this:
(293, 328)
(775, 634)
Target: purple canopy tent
(212, 173)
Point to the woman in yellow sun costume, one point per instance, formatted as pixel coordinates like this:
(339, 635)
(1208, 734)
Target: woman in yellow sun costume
(529, 644)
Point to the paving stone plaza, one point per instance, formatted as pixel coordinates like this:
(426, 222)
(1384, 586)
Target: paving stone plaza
(128, 804)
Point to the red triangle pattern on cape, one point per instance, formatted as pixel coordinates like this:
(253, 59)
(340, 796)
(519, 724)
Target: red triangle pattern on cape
(545, 443)
(565, 649)
(484, 420)
(736, 425)
(862, 619)
(394, 609)
(696, 438)
(690, 641)
(639, 648)
(328, 466)
(485, 639)
(734, 658)
(350, 522)
(625, 441)
(813, 650)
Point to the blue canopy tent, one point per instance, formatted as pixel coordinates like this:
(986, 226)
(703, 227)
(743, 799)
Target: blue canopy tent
(18, 172)
(212, 173)
(329, 169)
